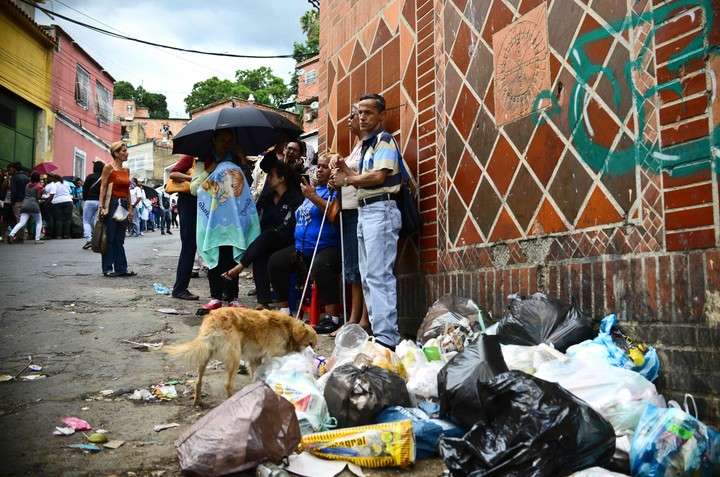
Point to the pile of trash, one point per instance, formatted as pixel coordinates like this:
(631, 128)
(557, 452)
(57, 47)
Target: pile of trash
(539, 393)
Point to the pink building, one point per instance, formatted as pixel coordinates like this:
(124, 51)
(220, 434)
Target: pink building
(82, 98)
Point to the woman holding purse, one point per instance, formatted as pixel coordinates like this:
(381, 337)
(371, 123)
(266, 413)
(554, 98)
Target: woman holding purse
(116, 210)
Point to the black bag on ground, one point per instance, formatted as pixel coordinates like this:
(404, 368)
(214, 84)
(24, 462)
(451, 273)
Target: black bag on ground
(460, 379)
(532, 428)
(355, 395)
(540, 319)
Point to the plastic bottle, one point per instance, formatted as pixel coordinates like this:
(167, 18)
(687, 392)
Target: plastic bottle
(270, 470)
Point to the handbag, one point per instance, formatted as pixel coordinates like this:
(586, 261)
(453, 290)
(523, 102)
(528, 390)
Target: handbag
(183, 187)
(407, 203)
(98, 241)
(121, 214)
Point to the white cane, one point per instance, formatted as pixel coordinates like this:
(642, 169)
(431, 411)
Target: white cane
(312, 260)
(342, 265)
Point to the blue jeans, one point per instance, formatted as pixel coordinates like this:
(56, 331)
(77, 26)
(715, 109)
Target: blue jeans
(90, 209)
(135, 226)
(377, 232)
(114, 257)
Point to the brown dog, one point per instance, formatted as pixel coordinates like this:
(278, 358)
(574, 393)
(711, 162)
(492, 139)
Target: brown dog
(234, 334)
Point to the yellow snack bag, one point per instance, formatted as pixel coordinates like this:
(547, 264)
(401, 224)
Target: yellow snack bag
(378, 445)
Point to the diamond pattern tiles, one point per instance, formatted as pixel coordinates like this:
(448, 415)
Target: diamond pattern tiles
(502, 165)
(485, 206)
(570, 186)
(466, 177)
(465, 43)
(524, 197)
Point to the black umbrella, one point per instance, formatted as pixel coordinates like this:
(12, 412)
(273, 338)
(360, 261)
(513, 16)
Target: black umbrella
(255, 130)
(149, 192)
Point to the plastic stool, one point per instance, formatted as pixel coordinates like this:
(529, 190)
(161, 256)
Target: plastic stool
(313, 308)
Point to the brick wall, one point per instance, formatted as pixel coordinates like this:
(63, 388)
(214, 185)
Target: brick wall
(606, 192)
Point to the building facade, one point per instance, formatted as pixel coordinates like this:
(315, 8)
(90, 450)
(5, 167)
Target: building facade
(26, 116)
(148, 161)
(138, 127)
(82, 98)
(561, 146)
(308, 93)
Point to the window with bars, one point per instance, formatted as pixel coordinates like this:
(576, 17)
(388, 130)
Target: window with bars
(104, 102)
(310, 77)
(79, 157)
(82, 87)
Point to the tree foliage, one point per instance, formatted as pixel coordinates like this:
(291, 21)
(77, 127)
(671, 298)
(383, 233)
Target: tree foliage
(310, 25)
(265, 87)
(155, 102)
(123, 90)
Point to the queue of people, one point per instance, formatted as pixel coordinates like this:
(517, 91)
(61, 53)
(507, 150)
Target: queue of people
(307, 220)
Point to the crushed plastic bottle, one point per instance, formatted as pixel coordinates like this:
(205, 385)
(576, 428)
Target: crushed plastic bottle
(270, 470)
(161, 289)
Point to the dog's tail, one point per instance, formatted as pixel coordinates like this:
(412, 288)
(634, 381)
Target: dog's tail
(195, 352)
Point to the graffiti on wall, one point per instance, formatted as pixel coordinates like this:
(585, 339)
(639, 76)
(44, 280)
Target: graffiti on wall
(679, 159)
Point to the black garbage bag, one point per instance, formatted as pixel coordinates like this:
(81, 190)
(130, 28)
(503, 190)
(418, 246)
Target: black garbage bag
(460, 379)
(540, 319)
(355, 395)
(532, 428)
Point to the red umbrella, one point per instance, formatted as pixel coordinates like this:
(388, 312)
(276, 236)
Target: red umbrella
(45, 168)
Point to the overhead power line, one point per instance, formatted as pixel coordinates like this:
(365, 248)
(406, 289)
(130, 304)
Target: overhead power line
(151, 43)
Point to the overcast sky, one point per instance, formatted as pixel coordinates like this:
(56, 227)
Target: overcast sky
(264, 27)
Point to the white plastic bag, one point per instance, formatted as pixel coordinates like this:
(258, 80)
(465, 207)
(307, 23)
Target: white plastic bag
(529, 358)
(411, 356)
(618, 394)
(597, 472)
(120, 214)
(423, 381)
(301, 390)
(302, 362)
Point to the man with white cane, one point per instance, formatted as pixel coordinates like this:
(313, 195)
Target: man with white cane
(348, 231)
(378, 182)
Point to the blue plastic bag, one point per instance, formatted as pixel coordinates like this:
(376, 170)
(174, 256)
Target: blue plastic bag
(427, 431)
(669, 442)
(608, 336)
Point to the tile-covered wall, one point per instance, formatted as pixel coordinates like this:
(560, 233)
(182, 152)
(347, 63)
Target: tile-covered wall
(565, 146)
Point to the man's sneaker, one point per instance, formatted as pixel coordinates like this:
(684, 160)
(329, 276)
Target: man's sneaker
(186, 295)
(327, 324)
(39, 242)
(212, 305)
(87, 245)
(234, 304)
(169, 233)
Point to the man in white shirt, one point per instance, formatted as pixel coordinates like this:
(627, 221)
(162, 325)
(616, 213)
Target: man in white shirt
(61, 207)
(137, 196)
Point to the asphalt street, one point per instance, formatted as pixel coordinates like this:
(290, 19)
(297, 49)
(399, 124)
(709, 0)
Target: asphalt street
(80, 327)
